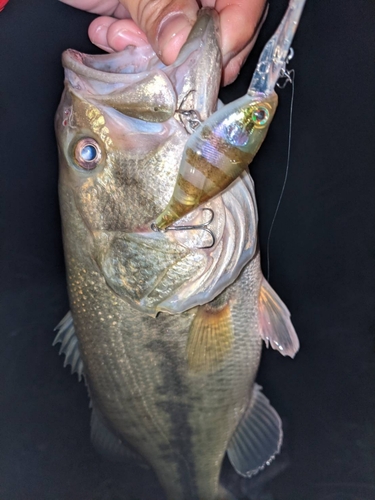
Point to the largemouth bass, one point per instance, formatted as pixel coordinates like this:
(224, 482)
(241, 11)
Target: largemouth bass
(165, 327)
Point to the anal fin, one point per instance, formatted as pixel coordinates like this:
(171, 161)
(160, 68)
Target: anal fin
(69, 344)
(275, 325)
(257, 438)
(210, 338)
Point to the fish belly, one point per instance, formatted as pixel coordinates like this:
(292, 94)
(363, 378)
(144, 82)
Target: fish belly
(177, 416)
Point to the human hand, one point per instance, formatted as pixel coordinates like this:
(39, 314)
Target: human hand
(165, 24)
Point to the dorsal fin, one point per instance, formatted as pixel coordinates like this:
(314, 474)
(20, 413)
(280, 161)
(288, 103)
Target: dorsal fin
(257, 438)
(69, 345)
(210, 338)
(275, 325)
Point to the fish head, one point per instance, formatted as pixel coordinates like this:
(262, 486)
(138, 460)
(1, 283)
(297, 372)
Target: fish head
(119, 125)
(121, 135)
(117, 167)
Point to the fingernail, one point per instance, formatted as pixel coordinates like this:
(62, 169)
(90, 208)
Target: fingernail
(172, 34)
(126, 37)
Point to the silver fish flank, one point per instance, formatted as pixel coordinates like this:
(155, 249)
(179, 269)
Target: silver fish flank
(166, 329)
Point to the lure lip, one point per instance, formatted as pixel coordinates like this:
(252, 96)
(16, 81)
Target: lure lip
(274, 57)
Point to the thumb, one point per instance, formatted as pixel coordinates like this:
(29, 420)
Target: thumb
(166, 23)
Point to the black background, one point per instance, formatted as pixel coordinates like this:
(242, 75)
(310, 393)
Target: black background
(322, 264)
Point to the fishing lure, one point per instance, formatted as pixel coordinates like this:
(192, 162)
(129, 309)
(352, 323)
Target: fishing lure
(225, 144)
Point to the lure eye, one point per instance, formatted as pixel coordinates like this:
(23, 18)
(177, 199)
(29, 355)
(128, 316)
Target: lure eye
(87, 153)
(260, 116)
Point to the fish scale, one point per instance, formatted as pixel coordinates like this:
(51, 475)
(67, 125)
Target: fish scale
(167, 330)
(149, 400)
(126, 390)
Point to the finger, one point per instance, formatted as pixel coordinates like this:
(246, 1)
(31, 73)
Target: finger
(125, 32)
(114, 35)
(233, 64)
(233, 68)
(239, 24)
(103, 7)
(98, 31)
(166, 23)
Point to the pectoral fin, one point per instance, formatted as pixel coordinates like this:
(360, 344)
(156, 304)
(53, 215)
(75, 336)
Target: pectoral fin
(69, 344)
(257, 438)
(210, 338)
(275, 325)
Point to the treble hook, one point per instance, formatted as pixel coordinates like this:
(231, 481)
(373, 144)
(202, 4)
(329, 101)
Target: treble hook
(204, 227)
(193, 117)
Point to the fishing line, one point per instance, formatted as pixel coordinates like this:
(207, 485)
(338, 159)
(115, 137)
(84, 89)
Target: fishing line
(290, 76)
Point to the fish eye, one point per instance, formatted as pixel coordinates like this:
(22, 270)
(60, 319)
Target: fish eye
(260, 116)
(87, 153)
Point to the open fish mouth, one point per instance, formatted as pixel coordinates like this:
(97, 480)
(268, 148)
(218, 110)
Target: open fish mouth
(105, 67)
(138, 84)
(130, 82)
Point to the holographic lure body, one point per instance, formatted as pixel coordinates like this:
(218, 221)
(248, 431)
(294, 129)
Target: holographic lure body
(224, 145)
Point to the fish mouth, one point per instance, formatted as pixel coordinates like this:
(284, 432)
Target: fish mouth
(194, 78)
(116, 67)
